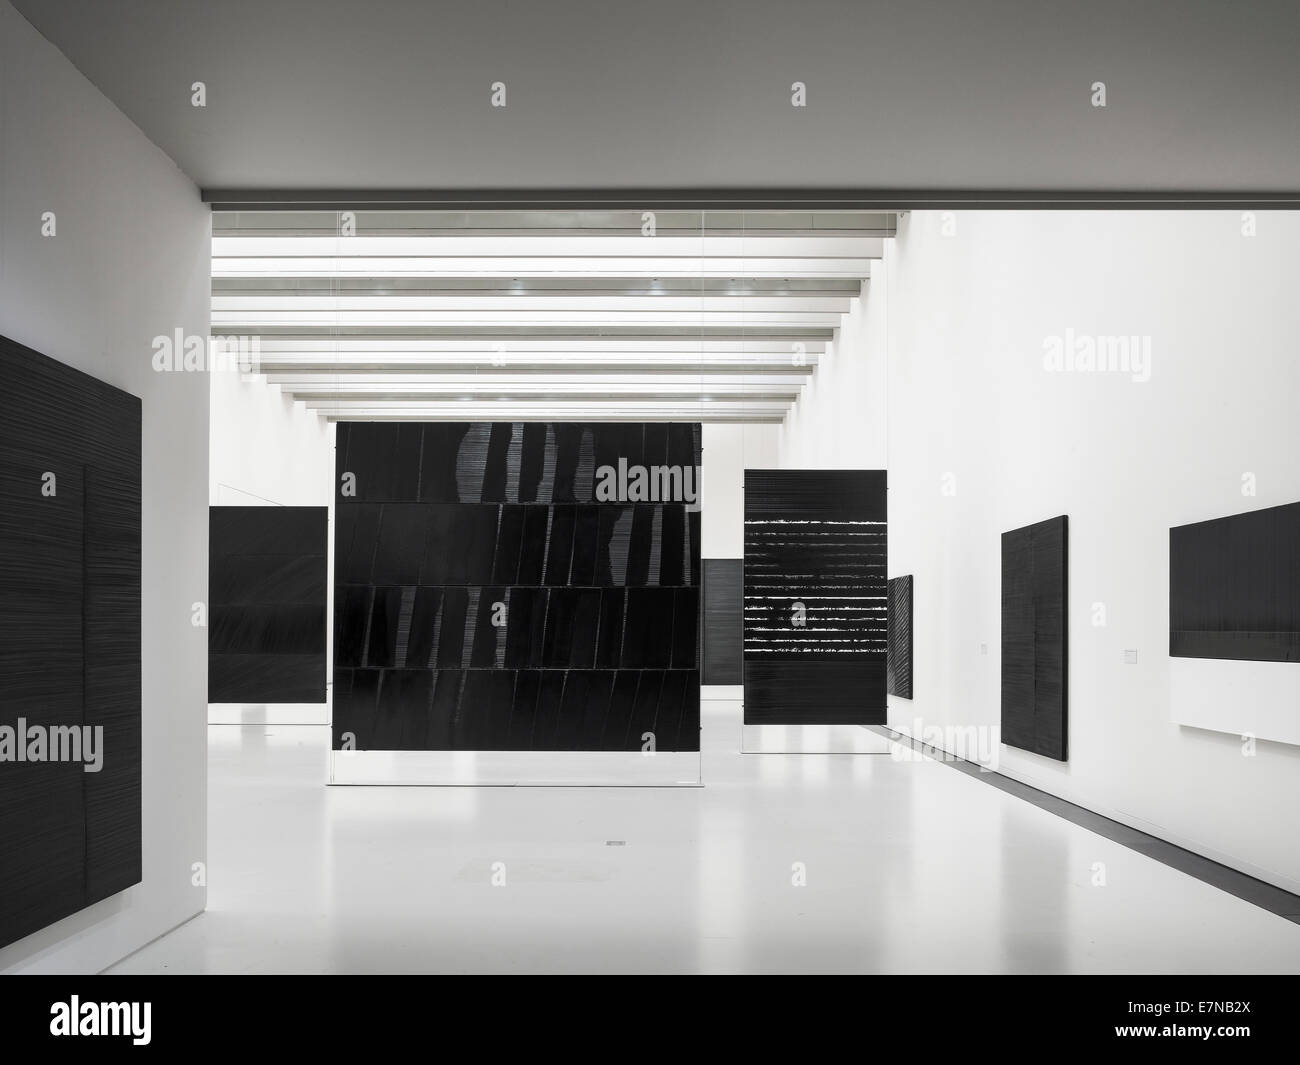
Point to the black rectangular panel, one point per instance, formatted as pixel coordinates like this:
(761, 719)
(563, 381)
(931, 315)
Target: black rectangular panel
(723, 593)
(268, 587)
(815, 597)
(1234, 587)
(899, 673)
(511, 586)
(1035, 638)
(69, 639)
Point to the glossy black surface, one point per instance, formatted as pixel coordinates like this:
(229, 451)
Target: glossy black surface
(1234, 587)
(488, 598)
(723, 661)
(899, 672)
(69, 636)
(267, 587)
(815, 602)
(1035, 638)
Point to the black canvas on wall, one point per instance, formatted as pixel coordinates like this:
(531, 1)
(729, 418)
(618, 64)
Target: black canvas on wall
(816, 538)
(1234, 587)
(1035, 638)
(268, 582)
(900, 637)
(722, 629)
(69, 639)
(517, 586)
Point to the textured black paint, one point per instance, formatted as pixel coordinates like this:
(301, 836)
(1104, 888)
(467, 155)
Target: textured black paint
(1035, 638)
(1234, 587)
(267, 589)
(69, 636)
(900, 637)
(816, 538)
(601, 598)
(723, 659)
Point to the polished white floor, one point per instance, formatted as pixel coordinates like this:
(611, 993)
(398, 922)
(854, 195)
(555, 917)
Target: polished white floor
(910, 867)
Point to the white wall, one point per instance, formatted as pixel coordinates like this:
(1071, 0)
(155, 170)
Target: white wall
(130, 261)
(267, 449)
(840, 419)
(969, 396)
(728, 451)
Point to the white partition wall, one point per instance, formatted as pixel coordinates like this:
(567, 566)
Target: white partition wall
(104, 246)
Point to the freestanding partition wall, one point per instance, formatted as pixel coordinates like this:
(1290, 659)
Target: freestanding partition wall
(517, 602)
(815, 604)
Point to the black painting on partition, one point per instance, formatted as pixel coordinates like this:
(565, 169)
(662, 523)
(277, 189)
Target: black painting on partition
(722, 635)
(815, 597)
(268, 584)
(1035, 638)
(1234, 587)
(517, 586)
(900, 637)
(70, 658)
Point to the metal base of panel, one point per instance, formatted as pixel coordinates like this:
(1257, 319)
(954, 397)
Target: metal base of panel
(555, 769)
(811, 739)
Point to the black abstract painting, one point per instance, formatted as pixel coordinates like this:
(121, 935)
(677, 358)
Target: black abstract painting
(70, 831)
(517, 586)
(815, 597)
(1035, 638)
(1234, 587)
(723, 594)
(900, 637)
(267, 596)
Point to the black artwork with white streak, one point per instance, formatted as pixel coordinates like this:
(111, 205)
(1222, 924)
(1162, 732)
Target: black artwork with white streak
(69, 640)
(497, 589)
(815, 628)
(1234, 587)
(1035, 638)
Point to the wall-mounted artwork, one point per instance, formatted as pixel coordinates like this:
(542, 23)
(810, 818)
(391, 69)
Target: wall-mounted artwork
(70, 832)
(1035, 638)
(517, 587)
(1234, 587)
(815, 602)
(721, 631)
(899, 673)
(267, 597)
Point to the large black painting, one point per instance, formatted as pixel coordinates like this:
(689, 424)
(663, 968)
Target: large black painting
(517, 586)
(1234, 587)
(267, 588)
(1035, 638)
(900, 637)
(815, 628)
(69, 641)
(721, 631)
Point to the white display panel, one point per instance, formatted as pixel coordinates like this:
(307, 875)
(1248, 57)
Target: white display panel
(1260, 699)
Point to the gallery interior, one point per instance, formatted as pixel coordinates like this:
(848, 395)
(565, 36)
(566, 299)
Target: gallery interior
(647, 556)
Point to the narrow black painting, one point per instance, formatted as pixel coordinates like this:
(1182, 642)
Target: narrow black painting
(69, 641)
(1234, 587)
(815, 598)
(900, 637)
(723, 592)
(268, 583)
(1035, 638)
(517, 586)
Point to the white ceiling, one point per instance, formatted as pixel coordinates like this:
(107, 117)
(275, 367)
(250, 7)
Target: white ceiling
(541, 315)
(678, 94)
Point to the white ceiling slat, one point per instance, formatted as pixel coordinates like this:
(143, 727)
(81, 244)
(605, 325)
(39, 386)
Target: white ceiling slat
(557, 315)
